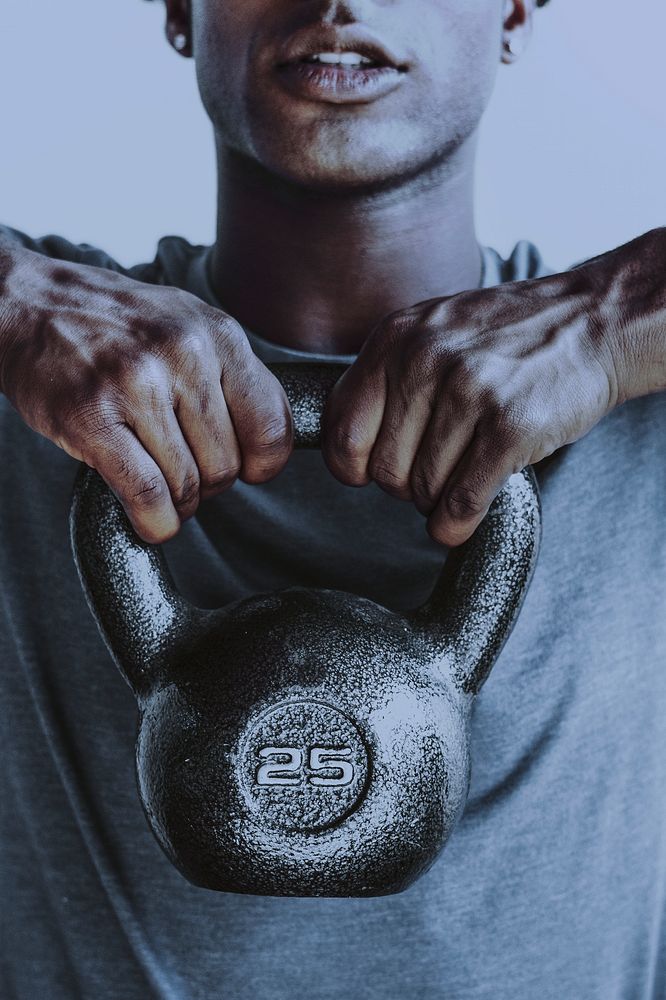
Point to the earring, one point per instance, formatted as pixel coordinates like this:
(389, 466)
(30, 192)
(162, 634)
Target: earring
(180, 42)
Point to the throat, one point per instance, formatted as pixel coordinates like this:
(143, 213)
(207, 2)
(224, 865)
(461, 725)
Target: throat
(319, 274)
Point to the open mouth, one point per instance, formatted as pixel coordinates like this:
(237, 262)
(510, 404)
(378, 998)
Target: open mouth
(339, 65)
(340, 77)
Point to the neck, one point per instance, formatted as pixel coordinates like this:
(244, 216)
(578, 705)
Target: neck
(317, 271)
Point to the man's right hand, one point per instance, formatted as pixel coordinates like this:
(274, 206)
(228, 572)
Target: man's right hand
(158, 391)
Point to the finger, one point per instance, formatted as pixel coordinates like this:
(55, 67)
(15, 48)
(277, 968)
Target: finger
(160, 434)
(475, 482)
(351, 421)
(137, 481)
(261, 418)
(448, 435)
(207, 427)
(407, 413)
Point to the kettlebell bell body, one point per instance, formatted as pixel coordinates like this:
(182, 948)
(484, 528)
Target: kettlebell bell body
(305, 742)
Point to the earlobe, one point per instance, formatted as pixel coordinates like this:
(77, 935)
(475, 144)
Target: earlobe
(178, 26)
(516, 28)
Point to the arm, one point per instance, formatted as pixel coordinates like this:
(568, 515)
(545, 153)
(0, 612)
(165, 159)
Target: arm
(631, 305)
(156, 390)
(449, 398)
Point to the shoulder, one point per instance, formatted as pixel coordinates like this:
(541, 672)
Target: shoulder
(172, 264)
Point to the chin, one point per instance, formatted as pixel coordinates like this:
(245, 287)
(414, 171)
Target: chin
(343, 160)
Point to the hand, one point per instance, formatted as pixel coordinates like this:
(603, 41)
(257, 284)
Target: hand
(159, 392)
(449, 398)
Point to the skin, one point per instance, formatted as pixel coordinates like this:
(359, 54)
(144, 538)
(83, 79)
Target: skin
(333, 220)
(158, 392)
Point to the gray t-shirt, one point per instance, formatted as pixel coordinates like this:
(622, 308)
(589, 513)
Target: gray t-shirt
(553, 886)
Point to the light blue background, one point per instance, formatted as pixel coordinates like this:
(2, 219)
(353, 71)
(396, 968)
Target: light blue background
(104, 139)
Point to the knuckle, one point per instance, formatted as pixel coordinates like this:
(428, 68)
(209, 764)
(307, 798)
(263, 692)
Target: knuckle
(230, 335)
(347, 441)
(466, 381)
(273, 435)
(498, 432)
(195, 338)
(425, 486)
(418, 373)
(146, 367)
(423, 347)
(388, 478)
(387, 338)
(230, 327)
(188, 492)
(139, 384)
(463, 502)
(222, 478)
(194, 344)
(467, 307)
(147, 492)
(147, 392)
(192, 357)
(97, 418)
(435, 315)
(390, 330)
(510, 424)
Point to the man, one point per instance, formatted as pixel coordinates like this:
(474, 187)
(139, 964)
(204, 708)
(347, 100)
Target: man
(345, 136)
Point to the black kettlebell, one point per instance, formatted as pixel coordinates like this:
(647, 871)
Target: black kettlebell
(304, 742)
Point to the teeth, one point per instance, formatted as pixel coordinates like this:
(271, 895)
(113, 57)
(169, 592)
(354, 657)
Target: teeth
(341, 59)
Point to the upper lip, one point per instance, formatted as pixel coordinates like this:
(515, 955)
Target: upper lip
(328, 38)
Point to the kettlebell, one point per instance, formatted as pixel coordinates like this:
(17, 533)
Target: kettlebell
(306, 742)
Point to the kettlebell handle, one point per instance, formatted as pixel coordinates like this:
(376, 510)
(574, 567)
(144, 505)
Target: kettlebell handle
(307, 386)
(466, 620)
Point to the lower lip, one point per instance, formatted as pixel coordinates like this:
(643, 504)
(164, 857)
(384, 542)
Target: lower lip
(339, 84)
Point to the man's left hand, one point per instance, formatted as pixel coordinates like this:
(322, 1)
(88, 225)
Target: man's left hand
(450, 397)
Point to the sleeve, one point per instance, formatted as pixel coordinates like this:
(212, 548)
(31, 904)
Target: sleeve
(58, 248)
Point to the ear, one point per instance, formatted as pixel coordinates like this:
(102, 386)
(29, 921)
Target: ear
(516, 28)
(179, 26)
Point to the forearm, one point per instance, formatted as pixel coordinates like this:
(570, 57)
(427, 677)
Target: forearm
(631, 312)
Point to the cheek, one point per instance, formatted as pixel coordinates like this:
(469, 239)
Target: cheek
(461, 46)
(220, 30)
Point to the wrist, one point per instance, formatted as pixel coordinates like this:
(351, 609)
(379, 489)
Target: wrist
(630, 313)
(12, 317)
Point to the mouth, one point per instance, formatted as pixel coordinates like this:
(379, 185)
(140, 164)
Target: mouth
(340, 66)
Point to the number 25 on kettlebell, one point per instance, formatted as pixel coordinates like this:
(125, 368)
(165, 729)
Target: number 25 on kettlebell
(292, 771)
